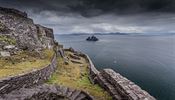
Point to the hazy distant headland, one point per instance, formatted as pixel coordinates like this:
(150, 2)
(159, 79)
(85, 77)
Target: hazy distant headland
(119, 33)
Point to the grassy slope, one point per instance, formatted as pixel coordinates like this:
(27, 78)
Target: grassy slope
(24, 62)
(76, 76)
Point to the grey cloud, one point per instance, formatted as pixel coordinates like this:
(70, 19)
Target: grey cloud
(70, 16)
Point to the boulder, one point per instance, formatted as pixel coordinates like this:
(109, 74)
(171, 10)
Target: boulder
(9, 47)
(74, 57)
(5, 54)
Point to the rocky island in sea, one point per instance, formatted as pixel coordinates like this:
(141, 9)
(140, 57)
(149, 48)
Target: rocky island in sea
(33, 66)
(92, 38)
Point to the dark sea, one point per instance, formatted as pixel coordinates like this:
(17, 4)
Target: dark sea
(147, 60)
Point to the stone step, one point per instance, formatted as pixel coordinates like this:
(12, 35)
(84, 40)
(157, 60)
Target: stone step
(64, 90)
(75, 94)
(109, 88)
(81, 97)
(70, 91)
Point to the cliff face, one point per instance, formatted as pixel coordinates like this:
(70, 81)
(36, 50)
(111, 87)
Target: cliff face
(27, 35)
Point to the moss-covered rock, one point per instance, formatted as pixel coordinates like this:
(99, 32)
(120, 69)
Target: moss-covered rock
(7, 40)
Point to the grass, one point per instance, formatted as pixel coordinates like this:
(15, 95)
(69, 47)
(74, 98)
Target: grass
(7, 40)
(24, 62)
(76, 76)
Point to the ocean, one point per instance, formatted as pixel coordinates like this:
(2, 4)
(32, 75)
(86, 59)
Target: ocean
(147, 60)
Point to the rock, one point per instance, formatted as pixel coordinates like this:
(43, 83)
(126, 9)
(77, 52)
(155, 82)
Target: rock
(66, 61)
(47, 92)
(77, 62)
(71, 49)
(27, 35)
(74, 57)
(9, 47)
(5, 54)
(61, 53)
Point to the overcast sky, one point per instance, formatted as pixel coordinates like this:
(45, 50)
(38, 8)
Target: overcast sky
(89, 16)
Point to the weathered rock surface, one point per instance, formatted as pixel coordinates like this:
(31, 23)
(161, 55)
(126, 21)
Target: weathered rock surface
(5, 54)
(74, 57)
(17, 25)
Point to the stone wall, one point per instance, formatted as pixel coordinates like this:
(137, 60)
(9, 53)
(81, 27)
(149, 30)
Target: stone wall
(28, 79)
(93, 72)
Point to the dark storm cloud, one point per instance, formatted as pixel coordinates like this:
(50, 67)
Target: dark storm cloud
(71, 16)
(90, 8)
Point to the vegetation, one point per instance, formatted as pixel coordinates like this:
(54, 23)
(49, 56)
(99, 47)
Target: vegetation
(23, 62)
(7, 40)
(75, 75)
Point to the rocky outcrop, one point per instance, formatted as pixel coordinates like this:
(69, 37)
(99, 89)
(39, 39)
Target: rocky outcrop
(16, 25)
(92, 38)
(13, 11)
(47, 92)
(45, 36)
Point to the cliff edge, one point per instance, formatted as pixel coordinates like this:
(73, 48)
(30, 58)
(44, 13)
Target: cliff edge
(20, 31)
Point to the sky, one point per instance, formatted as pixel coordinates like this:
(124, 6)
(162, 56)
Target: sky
(100, 16)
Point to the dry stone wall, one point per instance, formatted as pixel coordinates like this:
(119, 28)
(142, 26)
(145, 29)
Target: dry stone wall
(28, 79)
(92, 70)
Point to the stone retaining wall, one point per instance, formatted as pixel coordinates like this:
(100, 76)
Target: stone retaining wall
(28, 79)
(93, 72)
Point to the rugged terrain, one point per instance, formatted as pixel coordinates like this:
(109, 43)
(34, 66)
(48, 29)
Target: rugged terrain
(17, 30)
(30, 60)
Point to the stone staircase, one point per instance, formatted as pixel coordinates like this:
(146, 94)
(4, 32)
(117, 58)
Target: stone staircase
(109, 87)
(47, 92)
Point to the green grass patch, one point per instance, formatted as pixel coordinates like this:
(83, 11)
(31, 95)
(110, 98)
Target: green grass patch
(24, 62)
(76, 76)
(7, 40)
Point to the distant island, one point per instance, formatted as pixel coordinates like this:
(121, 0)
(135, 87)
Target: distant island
(92, 38)
(116, 33)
